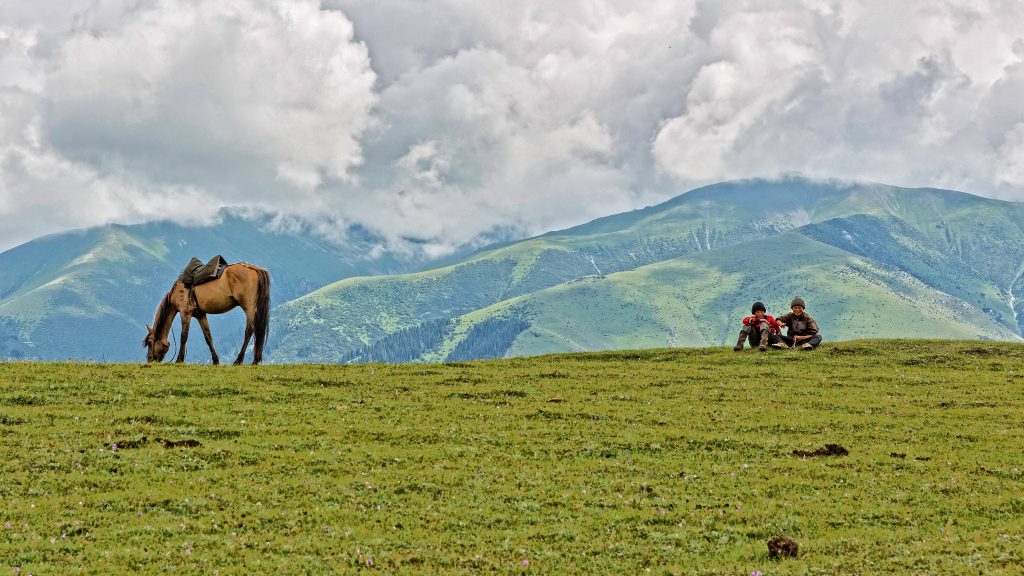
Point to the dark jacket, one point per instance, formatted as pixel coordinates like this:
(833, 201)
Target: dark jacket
(802, 325)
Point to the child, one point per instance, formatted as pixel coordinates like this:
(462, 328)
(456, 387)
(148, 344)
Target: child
(760, 328)
(803, 330)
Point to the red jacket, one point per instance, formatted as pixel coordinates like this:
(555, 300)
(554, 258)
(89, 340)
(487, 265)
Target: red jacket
(772, 323)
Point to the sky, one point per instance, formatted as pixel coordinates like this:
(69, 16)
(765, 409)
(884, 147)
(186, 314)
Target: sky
(435, 124)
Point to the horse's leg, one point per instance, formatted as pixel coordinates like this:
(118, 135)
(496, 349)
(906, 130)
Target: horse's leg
(257, 351)
(249, 324)
(205, 325)
(245, 344)
(186, 321)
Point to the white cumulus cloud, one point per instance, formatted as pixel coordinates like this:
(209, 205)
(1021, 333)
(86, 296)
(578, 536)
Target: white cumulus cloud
(436, 124)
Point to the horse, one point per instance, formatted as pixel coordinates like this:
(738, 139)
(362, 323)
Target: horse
(240, 284)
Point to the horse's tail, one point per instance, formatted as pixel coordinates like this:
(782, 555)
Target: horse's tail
(261, 320)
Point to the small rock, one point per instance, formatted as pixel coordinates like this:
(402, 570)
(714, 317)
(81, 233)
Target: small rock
(782, 547)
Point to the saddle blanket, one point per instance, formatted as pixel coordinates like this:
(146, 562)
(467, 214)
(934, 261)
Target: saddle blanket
(196, 272)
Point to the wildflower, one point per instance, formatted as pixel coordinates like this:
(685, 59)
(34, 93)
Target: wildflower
(756, 573)
(526, 562)
(17, 569)
(369, 561)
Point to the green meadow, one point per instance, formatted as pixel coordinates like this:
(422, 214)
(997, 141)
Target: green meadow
(670, 461)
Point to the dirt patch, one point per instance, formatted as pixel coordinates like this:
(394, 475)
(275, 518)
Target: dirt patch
(186, 443)
(782, 547)
(129, 444)
(139, 443)
(828, 450)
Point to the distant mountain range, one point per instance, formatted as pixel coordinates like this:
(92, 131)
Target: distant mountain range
(871, 260)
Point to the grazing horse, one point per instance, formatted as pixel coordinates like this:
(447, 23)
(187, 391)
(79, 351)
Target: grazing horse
(240, 284)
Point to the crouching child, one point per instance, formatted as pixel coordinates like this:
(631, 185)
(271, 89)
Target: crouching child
(802, 329)
(761, 329)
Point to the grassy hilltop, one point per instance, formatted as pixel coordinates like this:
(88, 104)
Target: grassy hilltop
(677, 460)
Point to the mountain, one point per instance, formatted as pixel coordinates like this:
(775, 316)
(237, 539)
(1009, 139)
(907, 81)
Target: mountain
(89, 294)
(872, 261)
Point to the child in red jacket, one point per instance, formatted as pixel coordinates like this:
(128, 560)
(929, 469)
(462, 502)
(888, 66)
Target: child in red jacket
(760, 328)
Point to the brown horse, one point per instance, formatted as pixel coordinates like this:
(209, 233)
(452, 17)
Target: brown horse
(240, 284)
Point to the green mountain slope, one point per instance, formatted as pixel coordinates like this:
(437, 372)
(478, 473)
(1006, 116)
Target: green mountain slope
(907, 251)
(88, 294)
(698, 301)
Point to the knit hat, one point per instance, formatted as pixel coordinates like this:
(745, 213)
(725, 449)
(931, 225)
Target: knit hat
(758, 306)
(798, 302)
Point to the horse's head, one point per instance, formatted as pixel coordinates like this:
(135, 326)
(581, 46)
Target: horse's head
(156, 349)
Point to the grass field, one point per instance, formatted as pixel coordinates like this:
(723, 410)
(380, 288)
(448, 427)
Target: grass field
(668, 461)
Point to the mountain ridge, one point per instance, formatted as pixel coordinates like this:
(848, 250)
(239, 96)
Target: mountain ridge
(950, 239)
(87, 294)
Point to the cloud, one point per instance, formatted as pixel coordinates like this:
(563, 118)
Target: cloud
(164, 108)
(911, 93)
(245, 95)
(436, 124)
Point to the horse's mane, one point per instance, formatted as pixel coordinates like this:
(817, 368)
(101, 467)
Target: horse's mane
(162, 318)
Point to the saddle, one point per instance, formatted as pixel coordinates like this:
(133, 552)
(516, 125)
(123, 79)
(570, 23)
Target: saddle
(196, 272)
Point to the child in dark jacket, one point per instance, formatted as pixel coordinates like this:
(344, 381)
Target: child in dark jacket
(760, 328)
(802, 329)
